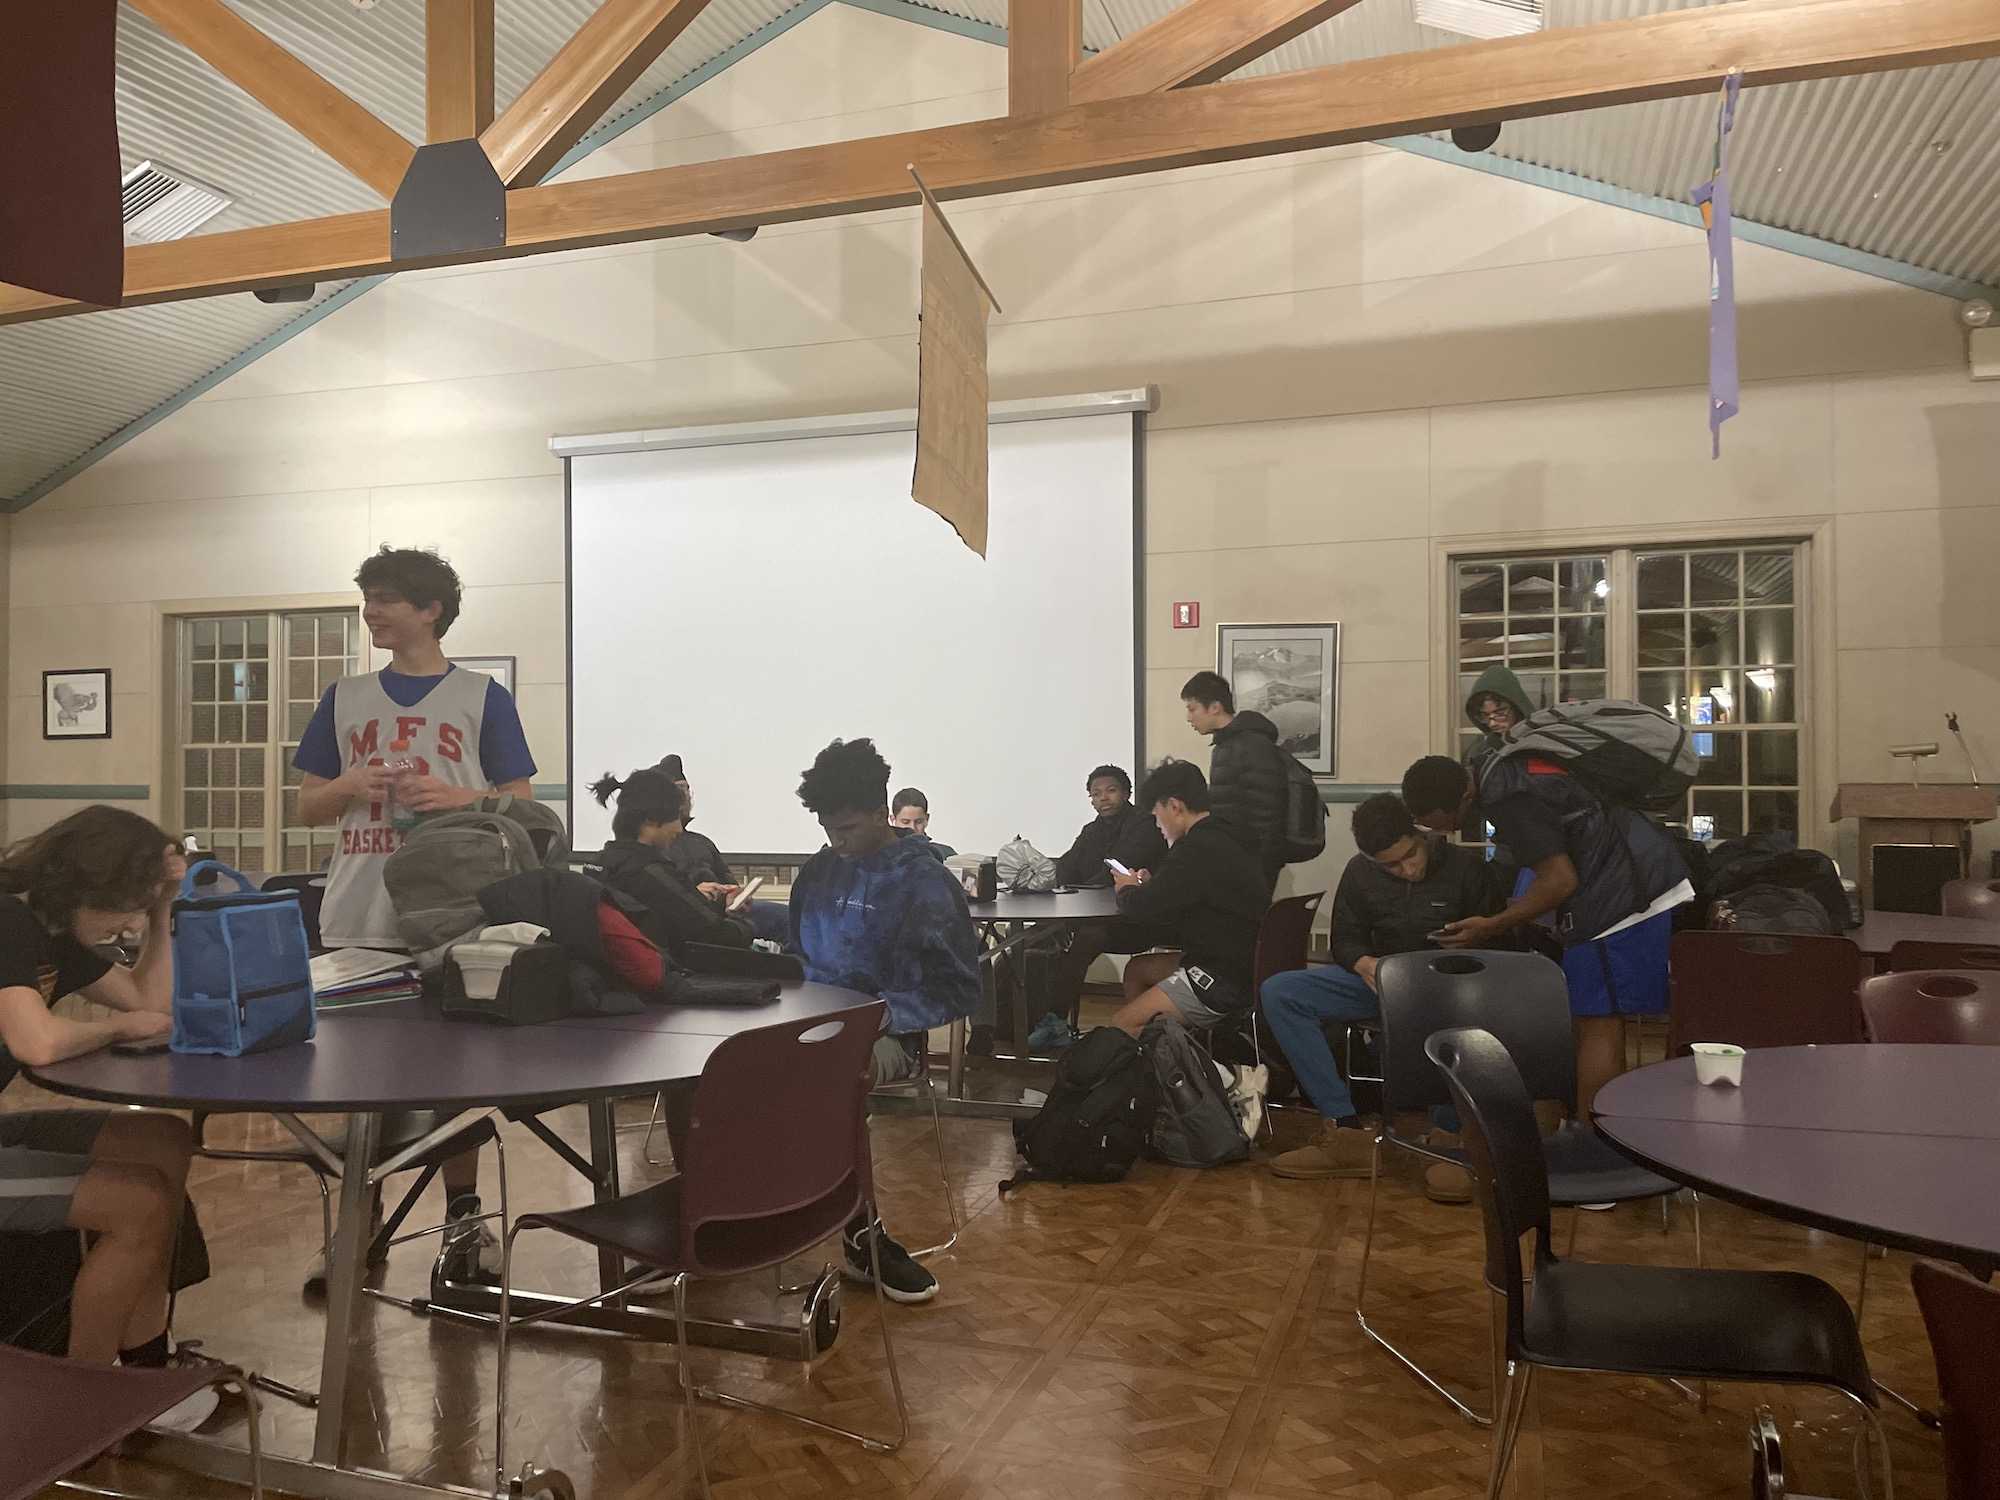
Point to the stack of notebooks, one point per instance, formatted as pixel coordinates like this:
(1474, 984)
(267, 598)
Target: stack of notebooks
(363, 976)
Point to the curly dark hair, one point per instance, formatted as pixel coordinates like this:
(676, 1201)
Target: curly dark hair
(1380, 822)
(421, 577)
(648, 796)
(847, 776)
(1434, 784)
(101, 857)
(1116, 773)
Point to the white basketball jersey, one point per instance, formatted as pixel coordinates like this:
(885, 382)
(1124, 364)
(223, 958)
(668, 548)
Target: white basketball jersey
(443, 730)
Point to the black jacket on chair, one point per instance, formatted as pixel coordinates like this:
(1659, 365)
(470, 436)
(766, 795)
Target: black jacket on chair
(566, 904)
(676, 913)
(1246, 786)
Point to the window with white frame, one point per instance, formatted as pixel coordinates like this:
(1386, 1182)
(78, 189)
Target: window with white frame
(247, 687)
(1712, 634)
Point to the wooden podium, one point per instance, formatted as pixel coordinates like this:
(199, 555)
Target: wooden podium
(1891, 812)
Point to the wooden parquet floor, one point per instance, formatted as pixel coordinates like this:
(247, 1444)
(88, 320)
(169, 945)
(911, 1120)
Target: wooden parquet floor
(1178, 1336)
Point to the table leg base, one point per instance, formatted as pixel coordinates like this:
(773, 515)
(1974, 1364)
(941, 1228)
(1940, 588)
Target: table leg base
(807, 1336)
(187, 1454)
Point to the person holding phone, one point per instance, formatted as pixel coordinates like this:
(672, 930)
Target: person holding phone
(1395, 896)
(117, 1175)
(639, 862)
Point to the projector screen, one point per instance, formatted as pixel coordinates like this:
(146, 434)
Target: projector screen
(742, 604)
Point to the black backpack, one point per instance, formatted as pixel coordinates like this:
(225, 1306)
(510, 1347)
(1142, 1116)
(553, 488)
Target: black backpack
(1305, 813)
(1771, 908)
(1625, 752)
(1195, 1125)
(1776, 859)
(1094, 1123)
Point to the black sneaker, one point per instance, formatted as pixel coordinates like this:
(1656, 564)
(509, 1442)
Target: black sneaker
(903, 1279)
(471, 1251)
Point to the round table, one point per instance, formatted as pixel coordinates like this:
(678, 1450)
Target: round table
(1880, 931)
(403, 1055)
(1896, 1145)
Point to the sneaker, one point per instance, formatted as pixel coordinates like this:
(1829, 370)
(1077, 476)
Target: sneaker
(1447, 1181)
(471, 1250)
(1337, 1153)
(1246, 1085)
(903, 1279)
(189, 1413)
(1597, 1208)
(1051, 1034)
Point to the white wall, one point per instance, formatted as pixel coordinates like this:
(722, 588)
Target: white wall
(1363, 356)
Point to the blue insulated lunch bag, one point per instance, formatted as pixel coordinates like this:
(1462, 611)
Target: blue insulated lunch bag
(242, 970)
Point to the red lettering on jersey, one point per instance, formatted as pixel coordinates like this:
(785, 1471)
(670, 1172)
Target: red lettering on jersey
(363, 746)
(451, 743)
(407, 726)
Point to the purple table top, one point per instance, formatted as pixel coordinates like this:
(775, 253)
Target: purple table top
(1095, 905)
(1899, 1145)
(1882, 930)
(403, 1055)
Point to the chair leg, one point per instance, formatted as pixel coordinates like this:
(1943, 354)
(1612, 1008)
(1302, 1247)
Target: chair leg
(1361, 1303)
(944, 1172)
(500, 1360)
(1872, 1430)
(1922, 1414)
(658, 1119)
(1513, 1401)
(687, 1380)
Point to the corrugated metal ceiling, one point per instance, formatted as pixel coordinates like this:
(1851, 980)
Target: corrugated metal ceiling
(1899, 165)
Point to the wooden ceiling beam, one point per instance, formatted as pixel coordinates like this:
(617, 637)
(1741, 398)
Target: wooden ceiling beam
(1671, 54)
(1044, 45)
(458, 68)
(345, 131)
(1200, 42)
(583, 80)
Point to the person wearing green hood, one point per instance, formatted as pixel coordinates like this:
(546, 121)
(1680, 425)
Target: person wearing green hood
(1495, 705)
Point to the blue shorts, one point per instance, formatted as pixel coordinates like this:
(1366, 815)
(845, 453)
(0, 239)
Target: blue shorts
(1622, 975)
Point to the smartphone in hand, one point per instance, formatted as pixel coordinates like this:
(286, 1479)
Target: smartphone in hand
(1115, 867)
(742, 898)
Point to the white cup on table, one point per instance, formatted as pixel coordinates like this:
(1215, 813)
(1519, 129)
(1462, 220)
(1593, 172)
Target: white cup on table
(1717, 1062)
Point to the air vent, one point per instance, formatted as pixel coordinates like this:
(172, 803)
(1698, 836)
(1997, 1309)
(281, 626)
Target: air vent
(161, 203)
(1484, 19)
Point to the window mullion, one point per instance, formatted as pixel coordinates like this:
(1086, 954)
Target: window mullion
(1621, 627)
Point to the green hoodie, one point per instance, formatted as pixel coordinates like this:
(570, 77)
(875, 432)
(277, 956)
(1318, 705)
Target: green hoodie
(1502, 683)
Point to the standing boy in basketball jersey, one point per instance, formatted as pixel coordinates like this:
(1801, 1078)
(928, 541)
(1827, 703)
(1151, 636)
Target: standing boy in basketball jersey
(465, 737)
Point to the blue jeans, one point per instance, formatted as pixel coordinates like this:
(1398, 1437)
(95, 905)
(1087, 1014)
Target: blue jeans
(1297, 1005)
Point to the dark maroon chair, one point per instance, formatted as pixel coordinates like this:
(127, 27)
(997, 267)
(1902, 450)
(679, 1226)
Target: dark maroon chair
(1979, 899)
(1921, 955)
(777, 1160)
(1933, 1005)
(1763, 989)
(1284, 935)
(1963, 1316)
(61, 1414)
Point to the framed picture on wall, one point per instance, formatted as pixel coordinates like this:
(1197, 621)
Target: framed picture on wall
(499, 668)
(1291, 675)
(76, 704)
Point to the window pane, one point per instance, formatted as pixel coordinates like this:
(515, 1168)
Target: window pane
(1723, 812)
(250, 766)
(1664, 691)
(328, 674)
(298, 853)
(1714, 697)
(293, 775)
(332, 639)
(1714, 578)
(1480, 643)
(1662, 581)
(194, 807)
(1768, 636)
(1774, 812)
(291, 806)
(252, 856)
(194, 768)
(1531, 642)
(206, 633)
(257, 682)
(1767, 577)
(1584, 585)
(1774, 758)
(1768, 696)
(257, 722)
(302, 634)
(201, 724)
(1713, 638)
(1582, 642)
(297, 717)
(222, 809)
(250, 809)
(1540, 688)
(260, 636)
(1481, 589)
(222, 767)
(229, 724)
(1531, 586)
(1662, 640)
(202, 688)
(1582, 687)
(1721, 759)
(233, 631)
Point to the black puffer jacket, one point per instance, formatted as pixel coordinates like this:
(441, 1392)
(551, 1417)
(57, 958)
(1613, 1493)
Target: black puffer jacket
(1246, 784)
(679, 913)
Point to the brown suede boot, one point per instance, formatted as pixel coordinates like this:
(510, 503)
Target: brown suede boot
(1336, 1153)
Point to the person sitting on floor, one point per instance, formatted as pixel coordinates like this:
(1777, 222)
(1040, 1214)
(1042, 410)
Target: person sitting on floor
(1401, 888)
(639, 862)
(1209, 892)
(878, 913)
(117, 1175)
(910, 810)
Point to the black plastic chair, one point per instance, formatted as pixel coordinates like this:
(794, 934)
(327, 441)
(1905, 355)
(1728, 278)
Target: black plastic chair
(759, 1184)
(1767, 1327)
(1525, 999)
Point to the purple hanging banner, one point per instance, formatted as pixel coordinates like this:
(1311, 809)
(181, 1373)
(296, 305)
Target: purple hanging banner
(1712, 198)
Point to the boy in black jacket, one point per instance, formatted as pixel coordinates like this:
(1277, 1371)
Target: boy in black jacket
(639, 862)
(1208, 892)
(1400, 889)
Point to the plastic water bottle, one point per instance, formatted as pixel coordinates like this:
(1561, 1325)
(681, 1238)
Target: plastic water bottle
(400, 763)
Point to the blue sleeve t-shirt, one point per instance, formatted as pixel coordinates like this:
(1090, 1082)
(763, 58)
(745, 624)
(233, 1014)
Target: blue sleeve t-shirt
(503, 746)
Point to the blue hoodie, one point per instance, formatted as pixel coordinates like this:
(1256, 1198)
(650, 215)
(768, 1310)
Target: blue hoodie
(893, 925)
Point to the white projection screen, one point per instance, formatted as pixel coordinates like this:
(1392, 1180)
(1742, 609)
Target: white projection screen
(742, 604)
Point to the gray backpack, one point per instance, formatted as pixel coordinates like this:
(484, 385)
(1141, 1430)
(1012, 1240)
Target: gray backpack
(1627, 753)
(1023, 867)
(1195, 1125)
(435, 878)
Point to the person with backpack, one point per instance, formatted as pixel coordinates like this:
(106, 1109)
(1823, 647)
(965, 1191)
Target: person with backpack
(1248, 773)
(117, 1176)
(1600, 872)
(638, 861)
(1208, 895)
(878, 913)
(1404, 885)
(460, 738)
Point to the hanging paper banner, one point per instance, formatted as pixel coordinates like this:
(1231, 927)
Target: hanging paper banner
(950, 476)
(1712, 197)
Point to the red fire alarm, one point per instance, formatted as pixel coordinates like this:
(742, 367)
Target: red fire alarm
(1187, 614)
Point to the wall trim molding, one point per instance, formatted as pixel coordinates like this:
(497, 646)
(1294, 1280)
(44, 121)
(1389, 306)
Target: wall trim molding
(50, 791)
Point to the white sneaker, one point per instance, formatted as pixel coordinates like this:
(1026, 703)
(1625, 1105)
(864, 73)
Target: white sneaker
(190, 1413)
(1246, 1088)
